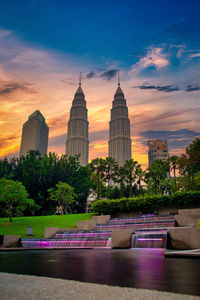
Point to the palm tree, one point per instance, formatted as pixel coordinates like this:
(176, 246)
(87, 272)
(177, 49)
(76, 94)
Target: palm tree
(121, 180)
(173, 160)
(130, 168)
(97, 173)
(140, 176)
(110, 170)
(156, 173)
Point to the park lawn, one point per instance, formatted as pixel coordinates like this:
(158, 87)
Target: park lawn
(38, 223)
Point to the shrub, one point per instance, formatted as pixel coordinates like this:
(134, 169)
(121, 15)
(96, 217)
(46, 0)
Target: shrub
(147, 203)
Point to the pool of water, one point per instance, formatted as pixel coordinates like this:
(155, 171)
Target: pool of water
(140, 268)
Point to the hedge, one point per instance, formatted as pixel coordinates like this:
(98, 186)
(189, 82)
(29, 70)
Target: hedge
(147, 203)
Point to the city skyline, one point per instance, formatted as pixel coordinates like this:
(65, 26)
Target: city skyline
(155, 45)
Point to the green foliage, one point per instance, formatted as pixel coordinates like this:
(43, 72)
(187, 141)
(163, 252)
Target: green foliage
(39, 173)
(63, 194)
(13, 198)
(147, 203)
(155, 175)
(97, 173)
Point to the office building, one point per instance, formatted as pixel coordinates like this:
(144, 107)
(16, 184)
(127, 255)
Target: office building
(158, 149)
(119, 145)
(34, 134)
(77, 135)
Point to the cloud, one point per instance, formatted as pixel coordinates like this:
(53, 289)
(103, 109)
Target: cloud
(92, 74)
(164, 88)
(154, 57)
(6, 140)
(193, 87)
(59, 140)
(11, 87)
(59, 122)
(178, 140)
(98, 73)
(195, 55)
(100, 135)
(167, 134)
(108, 75)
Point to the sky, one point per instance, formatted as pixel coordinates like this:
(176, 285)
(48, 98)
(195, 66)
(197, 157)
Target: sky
(45, 44)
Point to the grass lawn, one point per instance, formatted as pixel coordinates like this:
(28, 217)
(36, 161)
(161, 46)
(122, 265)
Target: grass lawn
(19, 225)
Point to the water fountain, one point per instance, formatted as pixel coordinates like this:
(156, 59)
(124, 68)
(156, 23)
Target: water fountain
(135, 223)
(72, 239)
(149, 239)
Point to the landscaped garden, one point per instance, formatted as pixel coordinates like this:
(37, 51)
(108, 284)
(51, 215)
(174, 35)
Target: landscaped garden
(19, 224)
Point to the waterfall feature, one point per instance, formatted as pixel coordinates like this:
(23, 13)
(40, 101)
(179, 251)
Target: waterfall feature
(71, 239)
(149, 239)
(138, 223)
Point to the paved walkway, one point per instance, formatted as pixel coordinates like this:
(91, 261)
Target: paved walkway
(23, 287)
(183, 253)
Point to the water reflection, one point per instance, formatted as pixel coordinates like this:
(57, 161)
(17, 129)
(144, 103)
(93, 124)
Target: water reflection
(141, 268)
(150, 269)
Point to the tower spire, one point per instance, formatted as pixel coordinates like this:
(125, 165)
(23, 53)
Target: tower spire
(80, 79)
(118, 78)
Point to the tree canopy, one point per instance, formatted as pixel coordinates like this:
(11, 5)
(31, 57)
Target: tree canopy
(13, 198)
(64, 195)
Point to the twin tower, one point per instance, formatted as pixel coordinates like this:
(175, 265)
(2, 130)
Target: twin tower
(119, 144)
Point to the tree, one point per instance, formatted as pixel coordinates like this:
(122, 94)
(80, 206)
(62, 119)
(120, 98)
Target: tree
(64, 195)
(97, 173)
(193, 154)
(173, 160)
(109, 169)
(130, 169)
(140, 174)
(121, 180)
(156, 173)
(13, 197)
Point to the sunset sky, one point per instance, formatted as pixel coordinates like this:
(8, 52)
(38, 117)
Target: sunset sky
(44, 44)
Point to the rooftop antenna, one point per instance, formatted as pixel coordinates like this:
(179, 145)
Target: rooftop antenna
(118, 78)
(80, 79)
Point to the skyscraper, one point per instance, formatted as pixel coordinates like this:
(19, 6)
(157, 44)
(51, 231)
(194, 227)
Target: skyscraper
(77, 135)
(158, 149)
(119, 145)
(35, 134)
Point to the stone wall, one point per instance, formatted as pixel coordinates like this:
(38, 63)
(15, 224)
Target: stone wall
(91, 225)
(188, 217)
(162, 211)
(10, 240)
(183, 238)
(50, 232)
(121, 238)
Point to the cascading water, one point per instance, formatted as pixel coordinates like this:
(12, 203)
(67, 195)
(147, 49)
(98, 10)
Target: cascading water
(135, 223)
(149, 239)
(72, 239)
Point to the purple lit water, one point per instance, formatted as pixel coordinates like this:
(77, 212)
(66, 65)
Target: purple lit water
(140, 268)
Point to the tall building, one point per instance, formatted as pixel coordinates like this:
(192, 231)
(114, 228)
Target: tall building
(158, 149)
(77, 135)
(35, 134)
(119, 144)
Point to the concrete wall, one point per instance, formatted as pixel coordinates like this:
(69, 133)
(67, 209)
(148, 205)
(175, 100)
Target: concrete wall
(121, 238)
(183, 238)
(86, 225)
(103, 219)
(161, 211)
(91, 225)
(10, 240)
(188, 217)
(50, 232)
